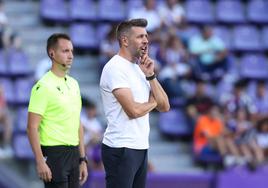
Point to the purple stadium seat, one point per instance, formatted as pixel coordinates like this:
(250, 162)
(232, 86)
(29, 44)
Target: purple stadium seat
(254, 66)
(21, 120)
(225, 34)
(246, 38)
(23, 90)
(3, 64)
(199, 11)
(257, 11)
(174, 123)
(187, 33)
(22, 147)
(18, 63)
(242, 177)
(111, 10)
(8, 90)
(83, 10)
(265, 37)
(102, 31)
(55, 11)
(84, 36)
(230, 11)
(130, 4)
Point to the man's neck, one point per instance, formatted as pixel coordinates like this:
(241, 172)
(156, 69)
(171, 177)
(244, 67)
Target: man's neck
(58, 73)
(125, 54)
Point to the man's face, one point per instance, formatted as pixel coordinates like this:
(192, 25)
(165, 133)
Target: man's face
(63, 53)
(138, 41)
(207, 33)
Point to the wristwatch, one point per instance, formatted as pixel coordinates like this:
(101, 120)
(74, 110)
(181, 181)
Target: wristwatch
(81, 159)
(151, 77)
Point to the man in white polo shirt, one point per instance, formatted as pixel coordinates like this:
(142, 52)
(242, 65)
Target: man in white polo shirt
(129, 91)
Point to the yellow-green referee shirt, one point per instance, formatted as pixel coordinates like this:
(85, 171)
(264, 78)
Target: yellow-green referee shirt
(58, 101)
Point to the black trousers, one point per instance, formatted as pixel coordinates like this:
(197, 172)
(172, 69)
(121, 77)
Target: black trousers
(63, 162)
(124, 167)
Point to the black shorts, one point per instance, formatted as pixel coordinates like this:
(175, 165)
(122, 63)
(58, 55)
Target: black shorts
(63, 162)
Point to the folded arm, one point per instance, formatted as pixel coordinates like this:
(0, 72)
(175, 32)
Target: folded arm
(133, 109)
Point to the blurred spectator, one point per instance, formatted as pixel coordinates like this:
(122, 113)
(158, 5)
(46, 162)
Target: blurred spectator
(240, 130)
(148, 11)
(109, 47)
(175, 59)
(3, 24)
(210, 54)
(5, 126)
(261, 100)
(208, 133)
(171, 12)
(3, 16)
(238, 99)
(185, 32)
(197, 104)
(15, 42)
(262, 139)
(93, 133)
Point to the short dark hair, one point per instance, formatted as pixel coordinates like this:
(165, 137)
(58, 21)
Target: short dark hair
(52, 41)
(125, 26)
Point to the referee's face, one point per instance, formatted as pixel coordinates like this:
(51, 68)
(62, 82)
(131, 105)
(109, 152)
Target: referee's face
(64, 54)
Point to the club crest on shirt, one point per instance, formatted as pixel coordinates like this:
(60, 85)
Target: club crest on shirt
(59, 89)
(37, 87)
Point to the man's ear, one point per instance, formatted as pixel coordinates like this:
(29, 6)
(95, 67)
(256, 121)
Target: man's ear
(125, 41)
(51, 53)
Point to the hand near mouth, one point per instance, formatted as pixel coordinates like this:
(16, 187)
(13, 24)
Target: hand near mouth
(147, 65)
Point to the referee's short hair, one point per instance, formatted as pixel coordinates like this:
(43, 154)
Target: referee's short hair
(124, 27)
(52, 41)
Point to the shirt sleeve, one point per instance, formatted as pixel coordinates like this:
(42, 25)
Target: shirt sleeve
(218, 44)
(116, 79)
(38, 101)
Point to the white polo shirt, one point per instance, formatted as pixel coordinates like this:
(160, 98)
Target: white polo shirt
(122, 131)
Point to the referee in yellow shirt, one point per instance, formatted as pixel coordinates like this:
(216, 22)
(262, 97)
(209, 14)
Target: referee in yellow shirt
(54, 128)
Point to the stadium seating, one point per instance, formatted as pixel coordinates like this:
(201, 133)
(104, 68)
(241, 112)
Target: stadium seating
(102, 30)
(21, 146)
(257, 11)
(246, 38)
(224, 33)
(230, 12)
(111, 10)
(199, 11)
(130, 4)
(254, 66)
(84, 36)
(265, 38)
(79, 10)
(21, 120)
(54, 11)
(23, 90)
(174, 123)
(8, 87)
(18, 63)
(3, 64)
